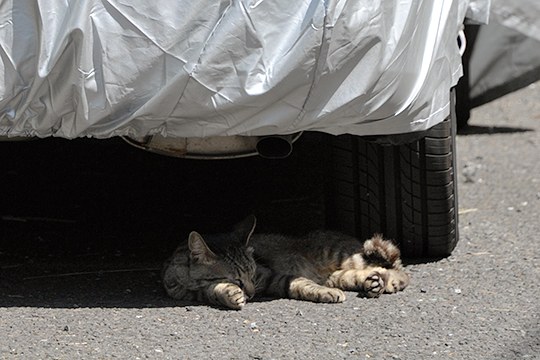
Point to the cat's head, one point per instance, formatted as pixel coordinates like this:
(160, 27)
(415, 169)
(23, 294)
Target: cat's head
(225, 257)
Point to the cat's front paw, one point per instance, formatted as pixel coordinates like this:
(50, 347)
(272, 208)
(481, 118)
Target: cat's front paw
(375, 284)
(230, 295)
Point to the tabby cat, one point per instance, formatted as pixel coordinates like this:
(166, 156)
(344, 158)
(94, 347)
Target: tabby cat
(229, 269)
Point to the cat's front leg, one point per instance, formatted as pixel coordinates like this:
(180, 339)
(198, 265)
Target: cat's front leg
(226, 294)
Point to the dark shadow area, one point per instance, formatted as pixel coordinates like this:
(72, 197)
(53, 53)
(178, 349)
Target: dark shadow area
(489, 130)
(118, 193)
(132, 286)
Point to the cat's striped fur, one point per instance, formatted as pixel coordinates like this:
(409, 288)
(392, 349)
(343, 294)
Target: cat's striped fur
(229, 269)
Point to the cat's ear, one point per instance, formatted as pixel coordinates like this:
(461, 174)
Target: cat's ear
(246, 227)
(199, 251)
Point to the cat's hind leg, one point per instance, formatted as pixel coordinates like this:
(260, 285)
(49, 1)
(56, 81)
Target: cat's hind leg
(372, 281)
(296, 287)
(283, 285)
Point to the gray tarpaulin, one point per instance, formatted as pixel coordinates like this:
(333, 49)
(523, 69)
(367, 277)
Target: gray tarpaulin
(223, 67)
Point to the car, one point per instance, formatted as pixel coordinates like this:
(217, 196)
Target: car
(228, 79)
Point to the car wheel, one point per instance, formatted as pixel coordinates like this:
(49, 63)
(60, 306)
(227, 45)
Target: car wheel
(406, 192)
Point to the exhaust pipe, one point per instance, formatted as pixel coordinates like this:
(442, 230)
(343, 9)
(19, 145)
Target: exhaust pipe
(217, 147)
(275, 146)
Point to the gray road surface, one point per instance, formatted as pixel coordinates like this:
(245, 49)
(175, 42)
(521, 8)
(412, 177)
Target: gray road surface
(480, 303)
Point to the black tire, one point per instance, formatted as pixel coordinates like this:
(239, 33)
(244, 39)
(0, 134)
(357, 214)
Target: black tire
(406, 192)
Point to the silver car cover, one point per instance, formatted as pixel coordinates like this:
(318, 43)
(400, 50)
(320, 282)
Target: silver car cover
(184, 68)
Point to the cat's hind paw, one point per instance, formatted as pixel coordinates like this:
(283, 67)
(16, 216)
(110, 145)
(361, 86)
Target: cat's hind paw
(397, 281)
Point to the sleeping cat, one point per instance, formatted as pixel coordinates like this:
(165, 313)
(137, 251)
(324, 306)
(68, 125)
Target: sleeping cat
(229, 269)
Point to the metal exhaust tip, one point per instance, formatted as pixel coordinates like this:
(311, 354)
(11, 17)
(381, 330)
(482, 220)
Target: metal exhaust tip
(275, 146)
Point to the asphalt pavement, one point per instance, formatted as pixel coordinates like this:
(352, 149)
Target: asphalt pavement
(100, 297)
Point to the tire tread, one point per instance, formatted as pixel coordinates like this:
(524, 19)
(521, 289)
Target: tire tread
(407, 192)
